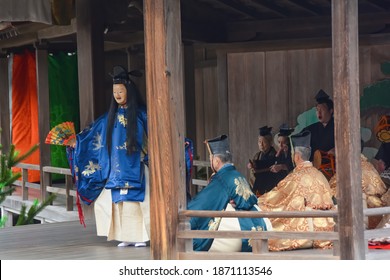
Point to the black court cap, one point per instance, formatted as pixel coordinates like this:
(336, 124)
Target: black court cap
(265, 130)
(301, 139)
(218, 145)
(322, 97)
(120, 75)
(285, 130)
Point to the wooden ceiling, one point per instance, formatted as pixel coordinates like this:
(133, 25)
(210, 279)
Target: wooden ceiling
(224, 21)
(217, 21)
(259, 20)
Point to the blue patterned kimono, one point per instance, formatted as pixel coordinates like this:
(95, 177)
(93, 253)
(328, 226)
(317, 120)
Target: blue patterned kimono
(94, 169)
(225, 185)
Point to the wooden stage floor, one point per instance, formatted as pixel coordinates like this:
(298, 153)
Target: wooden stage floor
(63, 241)
(71, 241)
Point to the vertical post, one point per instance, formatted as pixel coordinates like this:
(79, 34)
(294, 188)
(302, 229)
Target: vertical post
(347, 127)
(5, 116)
(190, 101)
(43, 113)
(164, 88)
(9, 216)
(24, 187)
(90, 59)
(68, 187)
(46, 180)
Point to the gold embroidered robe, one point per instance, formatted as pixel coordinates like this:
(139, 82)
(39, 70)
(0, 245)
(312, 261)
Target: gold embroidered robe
(373, 189)
(304, 189)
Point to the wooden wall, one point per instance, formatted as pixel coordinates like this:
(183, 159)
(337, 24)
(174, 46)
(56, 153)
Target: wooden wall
(206, 102)
(270, 88)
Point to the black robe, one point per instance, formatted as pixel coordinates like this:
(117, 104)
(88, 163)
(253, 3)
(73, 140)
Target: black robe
(384, 154)
(265, 180)
(322, 137)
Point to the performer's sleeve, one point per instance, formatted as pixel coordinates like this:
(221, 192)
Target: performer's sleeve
(91, 160)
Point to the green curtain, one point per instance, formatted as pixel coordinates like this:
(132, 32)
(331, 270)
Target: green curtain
(64, 100)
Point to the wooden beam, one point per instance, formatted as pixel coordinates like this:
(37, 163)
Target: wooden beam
(5, 117)
(56, 31)
(301, 24)
(165, 102)
(347, 128)
(305, 5)
(270, 4)
(239, 8)
(307, 43)
(378, 4)
(17, 41)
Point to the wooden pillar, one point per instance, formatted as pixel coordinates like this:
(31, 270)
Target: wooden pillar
(190, 101)
(164, 88)
(44, 112)
(5, 117)
(347, 127)
(90, 57)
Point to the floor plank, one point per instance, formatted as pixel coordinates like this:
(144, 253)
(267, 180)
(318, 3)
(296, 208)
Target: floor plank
(63, 241)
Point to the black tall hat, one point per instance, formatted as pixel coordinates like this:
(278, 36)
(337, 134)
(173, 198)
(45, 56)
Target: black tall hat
(301, 139)
(322, 97)
(285, 130)
(120, 75)
(265, 130)
(218, 145)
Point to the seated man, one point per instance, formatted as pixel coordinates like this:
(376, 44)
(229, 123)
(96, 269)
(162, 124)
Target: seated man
(322, 132)
(322, 135)
(283, 161)
(226, 186)
(373, 189)
(262, 179)
(304, 189)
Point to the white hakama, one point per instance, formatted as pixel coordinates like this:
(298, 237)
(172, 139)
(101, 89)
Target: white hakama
(124, 221)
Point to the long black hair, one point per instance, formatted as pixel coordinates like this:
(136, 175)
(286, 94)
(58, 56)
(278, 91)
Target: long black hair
(134, 101)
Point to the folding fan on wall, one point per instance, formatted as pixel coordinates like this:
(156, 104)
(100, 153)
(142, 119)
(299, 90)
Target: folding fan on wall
(62, 134)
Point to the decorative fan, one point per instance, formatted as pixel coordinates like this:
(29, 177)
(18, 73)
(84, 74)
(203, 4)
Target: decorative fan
(62, 134)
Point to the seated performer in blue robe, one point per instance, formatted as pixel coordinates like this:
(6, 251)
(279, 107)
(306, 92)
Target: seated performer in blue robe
(228, 189)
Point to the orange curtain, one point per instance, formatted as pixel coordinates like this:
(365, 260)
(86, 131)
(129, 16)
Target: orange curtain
(25, 132)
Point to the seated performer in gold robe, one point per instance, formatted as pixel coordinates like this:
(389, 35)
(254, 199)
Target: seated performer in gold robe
(304, 189)
(373, 189)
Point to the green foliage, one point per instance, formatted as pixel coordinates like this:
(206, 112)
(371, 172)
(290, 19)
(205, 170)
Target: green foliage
(8, 177)
(26, 218)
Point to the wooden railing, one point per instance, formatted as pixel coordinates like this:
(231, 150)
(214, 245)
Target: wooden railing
(67, 191)
(23, 183)
(259, 239)
(199, 183)
(46, 185)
